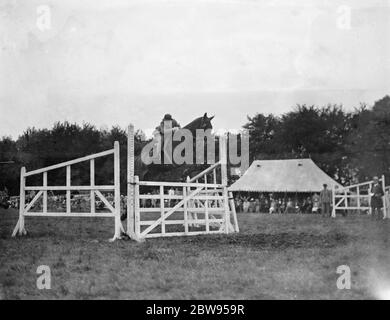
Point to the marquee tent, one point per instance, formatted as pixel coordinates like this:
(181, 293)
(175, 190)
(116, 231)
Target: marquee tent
(292, 175)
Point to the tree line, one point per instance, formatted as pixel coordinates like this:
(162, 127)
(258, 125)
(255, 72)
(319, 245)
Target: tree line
(349, 146)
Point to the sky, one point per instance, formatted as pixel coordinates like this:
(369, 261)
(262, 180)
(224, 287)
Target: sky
(115, 62)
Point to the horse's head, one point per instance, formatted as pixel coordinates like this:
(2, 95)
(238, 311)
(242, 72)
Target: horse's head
(206, 122)
(203, 123)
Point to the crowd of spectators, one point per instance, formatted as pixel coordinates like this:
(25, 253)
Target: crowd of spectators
(277, 203)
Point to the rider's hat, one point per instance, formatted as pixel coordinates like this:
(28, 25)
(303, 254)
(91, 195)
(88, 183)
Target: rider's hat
(167, 117)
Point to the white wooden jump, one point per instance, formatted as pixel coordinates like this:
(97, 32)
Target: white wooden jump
(203, 201)
(195, 199)
(95, 190)
(357, 197)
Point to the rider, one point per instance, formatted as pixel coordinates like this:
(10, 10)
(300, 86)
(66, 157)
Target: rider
(159, 132)
(167, 117)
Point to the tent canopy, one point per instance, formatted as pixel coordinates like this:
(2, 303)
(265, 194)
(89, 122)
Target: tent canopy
(292, 175)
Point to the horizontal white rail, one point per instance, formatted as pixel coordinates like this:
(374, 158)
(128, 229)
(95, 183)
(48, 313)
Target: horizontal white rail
(179, 184)
(173, 222)
(177, 234)
(166, 197)
(352, 208)
(70, 162)
(181, 209)
(69, 214)
(67, 188)
(352, 196)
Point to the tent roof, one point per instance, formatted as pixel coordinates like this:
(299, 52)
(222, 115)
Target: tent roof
(292, 175)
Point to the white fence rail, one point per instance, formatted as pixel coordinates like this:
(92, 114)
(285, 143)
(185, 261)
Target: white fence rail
(357, 198)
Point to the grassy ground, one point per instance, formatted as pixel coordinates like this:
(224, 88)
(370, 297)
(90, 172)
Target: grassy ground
(273, 257)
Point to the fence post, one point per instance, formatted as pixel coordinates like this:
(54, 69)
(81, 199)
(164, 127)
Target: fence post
(136, 209)
(130, 183)
(44, 201)
(358, 197)
(346, 202)
(223, 158)
(369, 199)
(92, 182)
(191, 205)
(162, 208)
(206, 206)
(233, 210)
(22, 202)
(224, 180)
(185, 206)
(68, 184)
(384, 197)
(333, 201)
(117, 192)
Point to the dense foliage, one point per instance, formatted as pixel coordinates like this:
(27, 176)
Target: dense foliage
(349, 146)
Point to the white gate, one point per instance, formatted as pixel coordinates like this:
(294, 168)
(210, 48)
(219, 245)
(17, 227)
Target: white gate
(94, 190)
(199, 206)
(356, 198)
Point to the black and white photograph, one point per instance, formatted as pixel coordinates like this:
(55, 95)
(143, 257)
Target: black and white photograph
(194, 154)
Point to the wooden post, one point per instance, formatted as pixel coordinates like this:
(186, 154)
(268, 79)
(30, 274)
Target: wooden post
(44, 203)
(162, 209)
(369, 199)
(224, 180)
(223, 159)
(206, 208)
(22, 229)
(68, 184)
(19, 228)
(333, 201)
(92, 183)
(384, 197)
(346, 201)
(185, 206)
(136, 209)
(358, 198)
(191, 205)
(130, 183)
(233, 210)
(117, 192)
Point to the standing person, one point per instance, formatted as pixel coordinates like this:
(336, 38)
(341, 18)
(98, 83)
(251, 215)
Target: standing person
(257, 205)
(325, 200)
(154, 200)
(289, 206)
(246, 205)
(266, 205)
(251, 205)
(376, 198)
(238, 203)
(273, 207)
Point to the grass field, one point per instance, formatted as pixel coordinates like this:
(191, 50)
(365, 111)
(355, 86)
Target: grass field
(273, 257)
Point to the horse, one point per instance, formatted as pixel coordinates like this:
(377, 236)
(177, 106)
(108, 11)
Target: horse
(203, 123)
(141, 169)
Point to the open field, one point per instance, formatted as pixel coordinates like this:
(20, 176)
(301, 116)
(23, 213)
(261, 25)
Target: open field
(273, 257)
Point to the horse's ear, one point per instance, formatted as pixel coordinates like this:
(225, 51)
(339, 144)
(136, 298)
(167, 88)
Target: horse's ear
(211, 118)
(205, 115)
